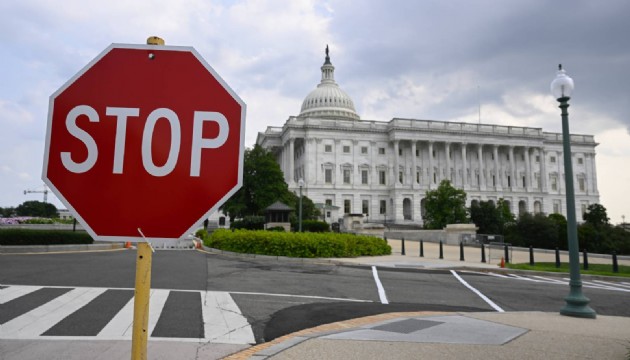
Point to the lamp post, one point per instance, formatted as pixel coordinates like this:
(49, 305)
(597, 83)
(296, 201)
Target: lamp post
(576, 303)
(301, 185)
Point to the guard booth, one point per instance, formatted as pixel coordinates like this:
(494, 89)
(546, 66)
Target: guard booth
(277, 215)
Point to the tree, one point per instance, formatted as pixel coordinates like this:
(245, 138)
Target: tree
(445, 205)
(490, 218)
(561, 224)
(596, 215)
(263, 184)
(37, 209)
(535, 230)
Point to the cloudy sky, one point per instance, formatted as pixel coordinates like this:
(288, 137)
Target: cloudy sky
(429, 59)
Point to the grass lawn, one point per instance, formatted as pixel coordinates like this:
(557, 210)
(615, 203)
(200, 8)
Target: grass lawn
(593, 269)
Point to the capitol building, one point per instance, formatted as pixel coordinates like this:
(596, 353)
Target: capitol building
(383, 169)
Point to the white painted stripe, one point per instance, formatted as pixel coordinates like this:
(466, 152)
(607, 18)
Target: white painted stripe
(14, 292)
(223, 321)
(524, 278)
(613, 284)
(555, 281)
(298, 296)
(120, 326)
(38, 320)
(379, 286)
(156, 305)
(485, 298)
(499, 275)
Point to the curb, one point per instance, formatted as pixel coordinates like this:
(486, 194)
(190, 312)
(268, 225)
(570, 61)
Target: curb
(43, 249)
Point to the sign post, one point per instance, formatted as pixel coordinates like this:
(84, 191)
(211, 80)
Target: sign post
(144, 137)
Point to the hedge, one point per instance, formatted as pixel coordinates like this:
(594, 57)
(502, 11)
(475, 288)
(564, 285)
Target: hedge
(43, 237)
(302, 245)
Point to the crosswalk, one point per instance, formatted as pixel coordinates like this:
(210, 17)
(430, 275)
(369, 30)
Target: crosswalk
(38, 312)
(594, 284)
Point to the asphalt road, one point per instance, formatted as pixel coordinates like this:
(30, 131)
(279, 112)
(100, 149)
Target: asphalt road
(276, 297)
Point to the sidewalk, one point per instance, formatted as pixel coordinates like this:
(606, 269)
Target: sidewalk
(517, 335)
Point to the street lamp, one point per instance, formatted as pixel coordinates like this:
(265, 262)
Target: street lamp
(301, 185)
(576, 303)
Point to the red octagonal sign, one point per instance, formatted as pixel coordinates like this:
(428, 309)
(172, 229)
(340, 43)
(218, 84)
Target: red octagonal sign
(144, 137)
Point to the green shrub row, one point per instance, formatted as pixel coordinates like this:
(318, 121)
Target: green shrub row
(302, 245)
(43, 237)
(315, 226)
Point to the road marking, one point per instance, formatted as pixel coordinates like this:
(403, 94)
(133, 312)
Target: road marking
(484, 297)
(549, 280)
(607, 283)
(379, 286)
(13, 292)
(37, 321)
(223, 321)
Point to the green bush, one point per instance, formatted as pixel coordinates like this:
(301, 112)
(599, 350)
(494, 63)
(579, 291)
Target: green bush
(43, 237)
(302, 245)
(249, 223)
(315, 226)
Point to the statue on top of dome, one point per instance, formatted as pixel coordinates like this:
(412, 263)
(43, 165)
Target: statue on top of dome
(327, 56)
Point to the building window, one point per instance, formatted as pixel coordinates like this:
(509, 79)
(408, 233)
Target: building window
(552, 159)
(523, 181)
(327, 148)
(433, 153)
(417, 177)
(581, 184)
(382, 177)
(364, 177)
(382, 208)
(329, 202)
(507, 157)
(346, 149)
(537, 158)
(434, 178)
(509, 181)
(381, 151)
(523, 157)
(492, 156)
(554, 183)
(365, 207)
(346, 206)
(400, 152)
(494, 180)
(328, 176)
(556, 207)
(346, 176)
(400, 177)
(580, 161)
(364, 150)
(584, 208)
(417, 152)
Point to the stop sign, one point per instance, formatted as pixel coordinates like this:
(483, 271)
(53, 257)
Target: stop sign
(144, 137)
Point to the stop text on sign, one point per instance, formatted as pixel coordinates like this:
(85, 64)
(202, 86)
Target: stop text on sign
(122, 114)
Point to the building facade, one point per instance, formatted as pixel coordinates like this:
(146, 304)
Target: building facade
(384, 169)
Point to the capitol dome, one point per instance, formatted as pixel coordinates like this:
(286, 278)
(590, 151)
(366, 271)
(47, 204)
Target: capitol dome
(328, 100)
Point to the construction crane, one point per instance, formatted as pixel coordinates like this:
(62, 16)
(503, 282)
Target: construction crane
(45, 191)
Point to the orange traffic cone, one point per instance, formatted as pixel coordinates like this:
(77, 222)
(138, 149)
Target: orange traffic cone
(502, 262)
(128, 245)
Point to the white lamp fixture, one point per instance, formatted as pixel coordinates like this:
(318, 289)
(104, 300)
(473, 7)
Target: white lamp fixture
(562, 86)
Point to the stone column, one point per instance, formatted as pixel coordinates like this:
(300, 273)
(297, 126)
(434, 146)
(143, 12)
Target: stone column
(464, 167)
(513, 182)
(291, 162)
(337, 179)
(431, 166)
(447, 151)
(528, 170)
(414, 165)
(497, 169)
(396, 162)
(594, 166)
(543, 170)
(482, 182)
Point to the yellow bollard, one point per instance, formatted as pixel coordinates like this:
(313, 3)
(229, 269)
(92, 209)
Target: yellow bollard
(140, 334)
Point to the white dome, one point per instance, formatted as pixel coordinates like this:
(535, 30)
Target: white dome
(328, 100)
